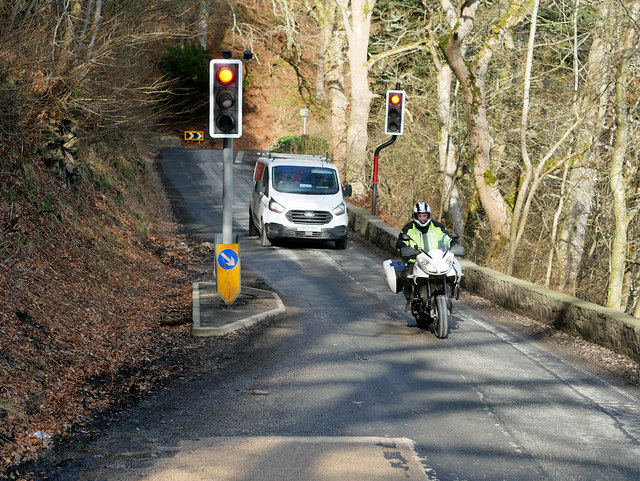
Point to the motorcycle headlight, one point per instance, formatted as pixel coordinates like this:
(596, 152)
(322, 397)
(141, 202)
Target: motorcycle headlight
(340, 209)
(426, 266)
(275, 207)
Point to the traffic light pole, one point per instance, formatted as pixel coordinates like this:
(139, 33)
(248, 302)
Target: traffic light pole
(227, 191)
(374, 194)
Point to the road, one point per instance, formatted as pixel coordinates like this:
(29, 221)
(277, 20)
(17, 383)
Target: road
(347, 369)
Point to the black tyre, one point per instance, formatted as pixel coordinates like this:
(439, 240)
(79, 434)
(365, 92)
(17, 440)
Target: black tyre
(264, 240)
(341, 243)
(441, 325)
(253, 230)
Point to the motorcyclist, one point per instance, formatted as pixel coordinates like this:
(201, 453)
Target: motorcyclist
(421, 223)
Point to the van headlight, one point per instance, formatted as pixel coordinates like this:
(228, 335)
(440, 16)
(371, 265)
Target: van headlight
(275, 207)
(340, 209)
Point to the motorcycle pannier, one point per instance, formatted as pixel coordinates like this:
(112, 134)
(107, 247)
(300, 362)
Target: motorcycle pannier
(393, 274)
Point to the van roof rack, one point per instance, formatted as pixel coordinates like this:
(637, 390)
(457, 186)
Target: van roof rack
(281, 155)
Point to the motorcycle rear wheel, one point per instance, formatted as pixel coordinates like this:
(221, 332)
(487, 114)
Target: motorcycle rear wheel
(441, 324)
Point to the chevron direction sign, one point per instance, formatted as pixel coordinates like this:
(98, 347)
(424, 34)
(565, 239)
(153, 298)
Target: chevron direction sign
(195, 135)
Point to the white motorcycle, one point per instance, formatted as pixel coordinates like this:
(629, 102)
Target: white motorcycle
(434, 278)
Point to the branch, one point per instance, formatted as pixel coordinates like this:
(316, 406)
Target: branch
(514, 16)
(421, 45)
(556, 146)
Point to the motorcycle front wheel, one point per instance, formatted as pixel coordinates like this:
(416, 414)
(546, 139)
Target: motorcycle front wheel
(441, 324)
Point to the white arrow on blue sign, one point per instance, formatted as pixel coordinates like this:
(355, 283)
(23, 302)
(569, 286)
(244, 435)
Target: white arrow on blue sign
(227, 259)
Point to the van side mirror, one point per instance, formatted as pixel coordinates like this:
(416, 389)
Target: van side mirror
(346, 190)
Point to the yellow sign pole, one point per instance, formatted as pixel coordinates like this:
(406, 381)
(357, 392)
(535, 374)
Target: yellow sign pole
(228, 271)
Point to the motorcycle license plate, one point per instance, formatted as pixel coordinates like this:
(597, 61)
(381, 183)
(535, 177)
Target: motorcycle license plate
(309, 228)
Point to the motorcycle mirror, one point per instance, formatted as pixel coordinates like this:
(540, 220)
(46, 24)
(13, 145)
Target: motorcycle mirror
(404, 237)
(455, 236)
(457, 250)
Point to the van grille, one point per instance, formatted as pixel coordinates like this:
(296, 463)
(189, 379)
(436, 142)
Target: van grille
(309, 216)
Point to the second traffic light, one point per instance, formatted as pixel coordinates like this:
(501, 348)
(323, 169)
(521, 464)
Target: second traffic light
(394, 115)
(225, 98)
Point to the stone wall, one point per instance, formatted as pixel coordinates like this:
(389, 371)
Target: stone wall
(607, 327)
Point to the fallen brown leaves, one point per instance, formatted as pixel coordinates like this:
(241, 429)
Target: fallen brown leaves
(87, 282)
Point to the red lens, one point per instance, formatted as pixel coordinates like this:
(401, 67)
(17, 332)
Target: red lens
(225, 75)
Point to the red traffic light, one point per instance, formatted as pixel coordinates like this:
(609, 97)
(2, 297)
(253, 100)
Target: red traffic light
(225, 98)
(225, 76)
(394, 114)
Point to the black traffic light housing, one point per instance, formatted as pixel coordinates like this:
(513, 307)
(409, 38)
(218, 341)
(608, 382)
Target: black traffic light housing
(225, 98)
(394, 115)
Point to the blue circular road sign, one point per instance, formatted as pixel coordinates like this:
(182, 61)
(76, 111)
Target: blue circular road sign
(228, 259)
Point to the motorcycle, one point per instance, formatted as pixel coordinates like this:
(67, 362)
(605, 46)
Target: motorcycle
(433, 279)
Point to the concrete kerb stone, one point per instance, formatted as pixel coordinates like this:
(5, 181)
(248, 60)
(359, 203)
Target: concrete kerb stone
(609, 328)
(198, 330)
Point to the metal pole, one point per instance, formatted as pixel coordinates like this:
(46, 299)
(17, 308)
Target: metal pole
(304, 131)
(374, 193)
(227, 191)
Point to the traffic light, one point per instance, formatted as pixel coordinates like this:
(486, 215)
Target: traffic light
(225, 98)
(394, 115)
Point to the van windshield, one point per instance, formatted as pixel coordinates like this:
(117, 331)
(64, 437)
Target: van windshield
(294, 179)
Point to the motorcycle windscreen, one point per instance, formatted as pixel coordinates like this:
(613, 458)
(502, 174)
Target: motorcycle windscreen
(436, 239)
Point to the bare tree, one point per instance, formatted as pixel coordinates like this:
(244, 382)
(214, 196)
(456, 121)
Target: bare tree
(591, 106)
(531, 179)
(447, 149)
(356, 19)
(203, 22)
(332, 60)
(471, 75)
(617, 177)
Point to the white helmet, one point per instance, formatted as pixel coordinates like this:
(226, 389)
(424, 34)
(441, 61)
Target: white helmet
(422, 208)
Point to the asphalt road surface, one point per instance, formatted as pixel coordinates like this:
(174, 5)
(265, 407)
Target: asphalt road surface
(347, 387)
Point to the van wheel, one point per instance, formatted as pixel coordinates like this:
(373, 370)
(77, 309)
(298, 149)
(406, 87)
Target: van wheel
(341, 243)
(264, 240)
(253, 230)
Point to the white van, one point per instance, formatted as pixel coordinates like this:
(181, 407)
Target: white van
(298, 197)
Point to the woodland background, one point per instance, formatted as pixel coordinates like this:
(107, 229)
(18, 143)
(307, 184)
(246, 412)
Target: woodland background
(521, 131)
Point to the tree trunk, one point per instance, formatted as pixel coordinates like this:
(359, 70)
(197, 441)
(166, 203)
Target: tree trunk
(617, 180)
(519, 217)
(338, 99)
(69, 30)
(356, 16)
(582, 181)
(450, 204)
(592, 107)
(331, 69)
(565, 174)
(203, 23)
